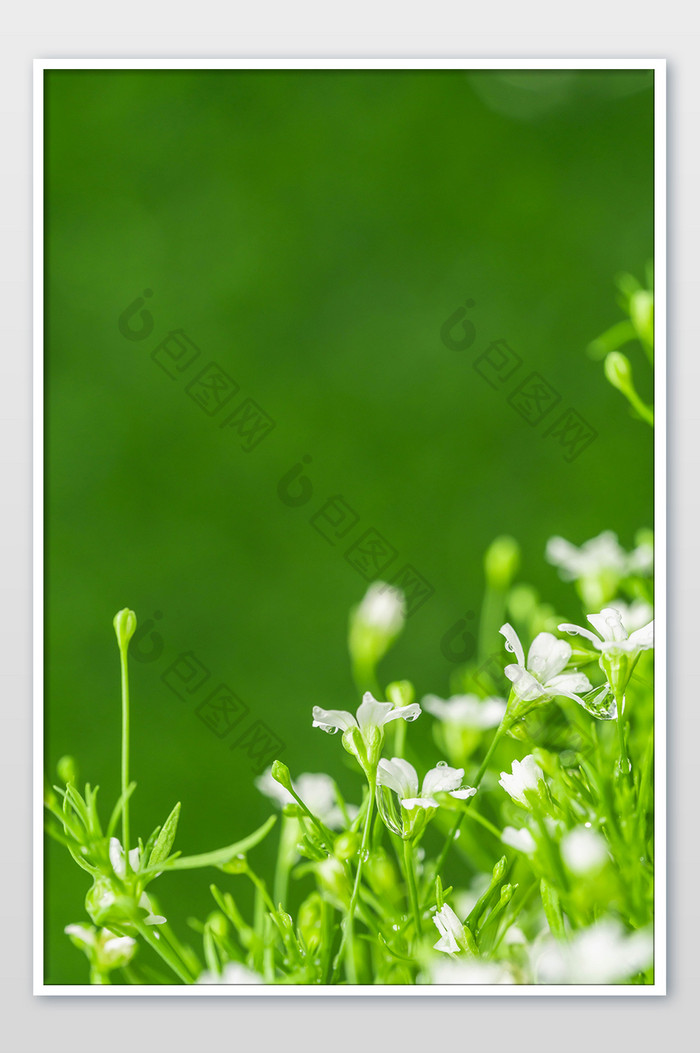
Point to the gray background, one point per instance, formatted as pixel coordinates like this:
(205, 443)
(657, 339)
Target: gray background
(296, 1023)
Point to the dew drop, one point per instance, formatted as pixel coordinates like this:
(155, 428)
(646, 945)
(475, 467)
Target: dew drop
(364, 856)
(458, 835)
(441, 764)
(396, 928)
(412, 717)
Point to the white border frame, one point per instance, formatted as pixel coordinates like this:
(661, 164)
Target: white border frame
(660, 496)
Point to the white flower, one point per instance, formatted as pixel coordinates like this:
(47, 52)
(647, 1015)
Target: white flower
(233, 973)
(402, 778)
(451, 931)
(317, 791)
(635, 615)
(370, 715)
(116, 857)
(104, 948)
(604, 953)
(601, 555)
(613, 637)
(382, 608)
(542, 676)
(467, 711)
(526, 775)
(584, 849)
(520, 839)
(115, 950)
(363, 734)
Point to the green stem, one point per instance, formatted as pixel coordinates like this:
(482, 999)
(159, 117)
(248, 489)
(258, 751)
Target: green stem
(123, 652)
(411, 880)
(477, 780)
(625, 767)
(165, 952)
(347, 939)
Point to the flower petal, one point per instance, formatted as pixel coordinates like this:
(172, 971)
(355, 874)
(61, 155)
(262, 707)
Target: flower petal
(513, 643)
(399, 776)
(524, 683)
(547, 656)
(372, 714)
(408, 713)
(332, 720)
(441, 779)
(643, 639)
(419, 802)
(464, 793)
(569, 685)
(578, 630)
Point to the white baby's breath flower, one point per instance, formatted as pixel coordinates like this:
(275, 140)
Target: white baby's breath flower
(634, 615)
(116, 857)
(521, 839)
(382, 608)
(363, 734)
(542, 676)
(604, 953)
(525, 775)
(416, 809)
(402, 778)
(452, 939)
(613, 637)
(317, 791)
(601, 555)
(467, 711)
(370, 716)
(583, 850)
(599, 565)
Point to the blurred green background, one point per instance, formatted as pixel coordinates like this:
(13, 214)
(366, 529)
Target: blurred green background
(311, 232)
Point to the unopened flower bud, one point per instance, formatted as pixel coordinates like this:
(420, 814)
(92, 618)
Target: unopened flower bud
(618, 371)
(280, 773)
(346, 846)
(67, 770)
(501, 562)
(400, 693)
(124, 627)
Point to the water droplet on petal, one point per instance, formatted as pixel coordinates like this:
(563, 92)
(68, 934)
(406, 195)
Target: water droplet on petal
(412, 717)
(441, 764)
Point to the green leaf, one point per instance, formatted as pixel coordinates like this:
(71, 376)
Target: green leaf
(164, 841)
(217, 858)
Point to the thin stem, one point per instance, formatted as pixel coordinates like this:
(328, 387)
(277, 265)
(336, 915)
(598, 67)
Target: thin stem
(411, 879)
(125, 752)
(625, 766)
(347, 939)
(155, 940)
(477, 780)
